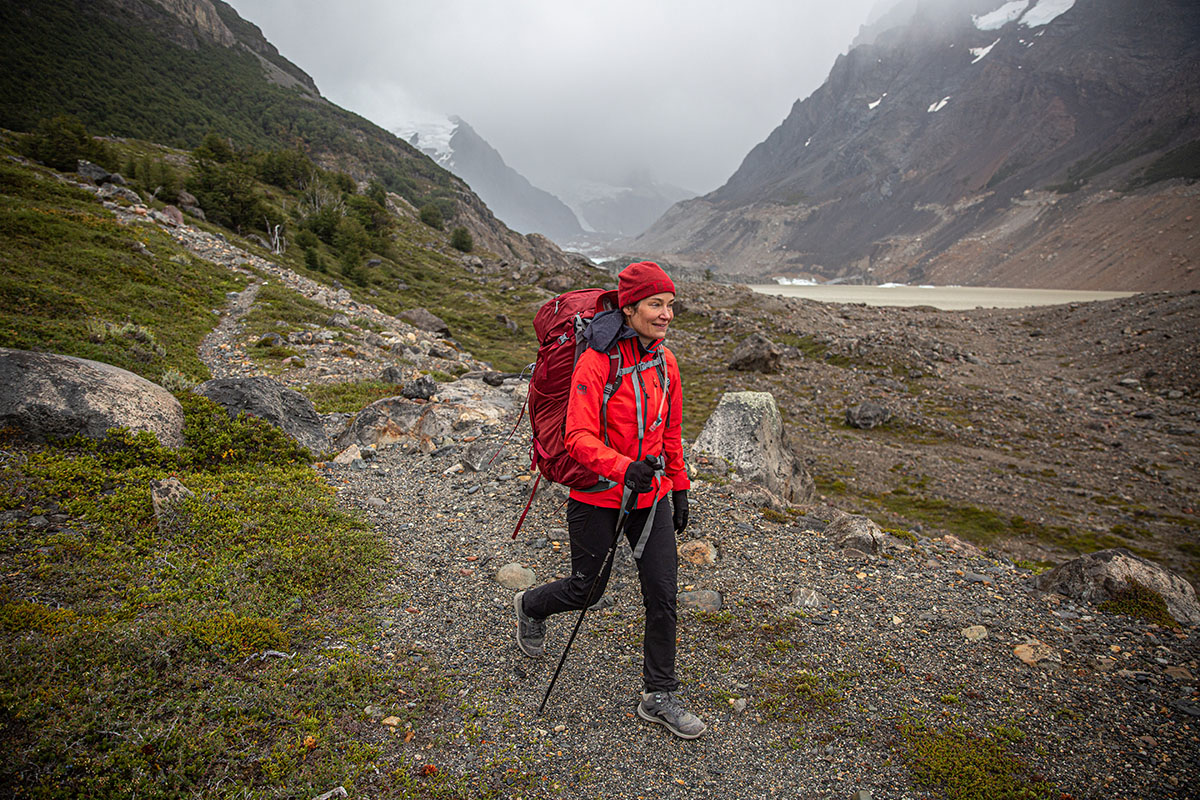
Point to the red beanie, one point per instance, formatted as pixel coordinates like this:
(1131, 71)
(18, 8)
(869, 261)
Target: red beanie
(640, 280)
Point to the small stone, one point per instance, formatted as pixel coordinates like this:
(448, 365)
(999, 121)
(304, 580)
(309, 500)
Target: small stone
(738, 704)
(701, 600)
(514, 576)
(348, 456)
(376, 502)
(391, 721)
(975, 577)
(975, 633)
(804, 597)
(1034, 652)
(700, 552)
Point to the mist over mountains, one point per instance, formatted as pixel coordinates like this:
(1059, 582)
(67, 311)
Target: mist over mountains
(978, 141)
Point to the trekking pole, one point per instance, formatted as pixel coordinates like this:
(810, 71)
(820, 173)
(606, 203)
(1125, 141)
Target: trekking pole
(626, 507)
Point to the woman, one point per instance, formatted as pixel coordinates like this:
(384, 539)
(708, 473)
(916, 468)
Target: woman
(633, 441)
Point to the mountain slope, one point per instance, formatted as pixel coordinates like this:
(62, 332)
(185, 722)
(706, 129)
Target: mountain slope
(967, 122)
(456, 146)
(173, 71)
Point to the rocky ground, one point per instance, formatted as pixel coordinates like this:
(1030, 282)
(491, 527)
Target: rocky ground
(1080, 418)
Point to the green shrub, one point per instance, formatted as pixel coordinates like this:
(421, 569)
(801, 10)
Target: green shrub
(233, 636)
(460, 239)
(431, 215)
(60, 142)
(1141, 602)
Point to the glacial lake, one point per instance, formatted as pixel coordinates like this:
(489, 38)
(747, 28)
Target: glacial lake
(947, 298)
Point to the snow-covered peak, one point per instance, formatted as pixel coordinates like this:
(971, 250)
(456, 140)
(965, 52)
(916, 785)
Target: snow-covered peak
(1045, 12)
(1003, 15)
(1042, 13)
(431, 136)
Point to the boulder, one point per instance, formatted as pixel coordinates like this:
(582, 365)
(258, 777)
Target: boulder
(108, 191)
(194, 210)
(701, 600)
(422, 388)
(514, 576)
(186, 198)
(45, 395)
(166, 496)
(560, 283)
(392, 374)
(271, 402)
(425, 320)
(170, 215)
(746, 431)
(699, 552)
(92, 172)
(756, 353)
(867, 415)
(1097, 577)
(391, 420)
(853, 532)
(510, 324)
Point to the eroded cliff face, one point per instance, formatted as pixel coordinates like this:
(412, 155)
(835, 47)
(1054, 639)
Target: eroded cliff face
(202, 17)
(960, 127)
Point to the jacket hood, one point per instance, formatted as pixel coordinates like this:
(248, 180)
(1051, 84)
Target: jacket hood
(606, 329)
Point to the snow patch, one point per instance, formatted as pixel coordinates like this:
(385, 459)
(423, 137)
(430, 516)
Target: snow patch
(432, 137)
(1045, 12)
(892, 285)
(980, 52)
(938, 106)
(796, 282)
(808, 141)
(871, 106)
(1003, 15)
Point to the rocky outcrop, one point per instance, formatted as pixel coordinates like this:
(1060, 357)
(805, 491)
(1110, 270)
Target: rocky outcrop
(929, 155)
(854, 532)
(46, 396)
(756, 353)
(272, 402)
(746, 432)
(867, 415)
(425, 320)
(1104, 575)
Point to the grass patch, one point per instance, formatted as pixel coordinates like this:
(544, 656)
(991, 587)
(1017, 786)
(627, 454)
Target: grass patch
(349, 398)
(795, 696)
(959, 765)
(1140, 602)
(149, 635)
(76, 282)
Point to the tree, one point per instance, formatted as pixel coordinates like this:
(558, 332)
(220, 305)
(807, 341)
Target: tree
(460, 239)
(60, 142)
(431, 215)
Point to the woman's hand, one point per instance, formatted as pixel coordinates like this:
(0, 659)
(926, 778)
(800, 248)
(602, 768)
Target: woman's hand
(679, 503)
(639, 476)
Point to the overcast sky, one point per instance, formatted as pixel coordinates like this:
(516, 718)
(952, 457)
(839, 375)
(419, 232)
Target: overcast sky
(574, 89)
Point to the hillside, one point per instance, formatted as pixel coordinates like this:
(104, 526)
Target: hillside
(194, 67)
(1045, 145)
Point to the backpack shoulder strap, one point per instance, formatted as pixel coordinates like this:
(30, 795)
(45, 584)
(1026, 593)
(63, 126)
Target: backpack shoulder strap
(610, 386)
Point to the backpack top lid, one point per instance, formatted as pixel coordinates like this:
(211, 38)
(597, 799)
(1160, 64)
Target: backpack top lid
(556, 317)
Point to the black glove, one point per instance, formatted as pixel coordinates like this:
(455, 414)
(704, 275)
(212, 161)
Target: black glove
(640, 476)
(680, 505)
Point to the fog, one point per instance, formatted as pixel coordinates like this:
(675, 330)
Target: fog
(570, 91)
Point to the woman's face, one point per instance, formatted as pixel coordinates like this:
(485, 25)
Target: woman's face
(651, 316)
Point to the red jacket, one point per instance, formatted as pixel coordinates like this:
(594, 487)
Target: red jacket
(585, 439)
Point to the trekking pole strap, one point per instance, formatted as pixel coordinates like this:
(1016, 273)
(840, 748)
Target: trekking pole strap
(644, 536)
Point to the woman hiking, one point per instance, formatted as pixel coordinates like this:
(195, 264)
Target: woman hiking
(633, 441)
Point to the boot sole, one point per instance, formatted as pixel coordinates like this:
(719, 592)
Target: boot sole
(660, 721)
(521, 645)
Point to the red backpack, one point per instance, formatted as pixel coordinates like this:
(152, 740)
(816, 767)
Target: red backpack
(559, 326)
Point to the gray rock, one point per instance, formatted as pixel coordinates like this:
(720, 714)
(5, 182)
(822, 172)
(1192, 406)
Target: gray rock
(422, 388)
(867, 415)
(701, 600)
(975, 633)
(186, 198)
(1098, 576)
(392, 374)
(559, 283)
(170, 215)
(479, 454)
(853, 532)
(394, 419)
(271, 402)
(804, 597)
(425, 320)
(514, 576)
(92, 172)
(45, 395)
(108, 191)
(166, 496)
(756, 353)
(746, 431)
(338, 321)
(270, 340)
(508, 323)
(193, 210)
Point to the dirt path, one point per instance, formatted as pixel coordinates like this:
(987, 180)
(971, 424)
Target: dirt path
(218, 350)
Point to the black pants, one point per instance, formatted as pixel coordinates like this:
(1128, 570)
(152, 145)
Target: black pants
(591, 528)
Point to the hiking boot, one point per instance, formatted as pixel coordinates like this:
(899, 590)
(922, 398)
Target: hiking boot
(531, 633)
(665, 708)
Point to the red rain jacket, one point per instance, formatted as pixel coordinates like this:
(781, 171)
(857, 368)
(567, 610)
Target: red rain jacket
(585, 439)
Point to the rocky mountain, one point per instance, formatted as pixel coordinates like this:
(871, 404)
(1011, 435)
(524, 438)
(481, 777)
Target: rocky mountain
(190, 67)
(457, 147)
(1026, 143)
